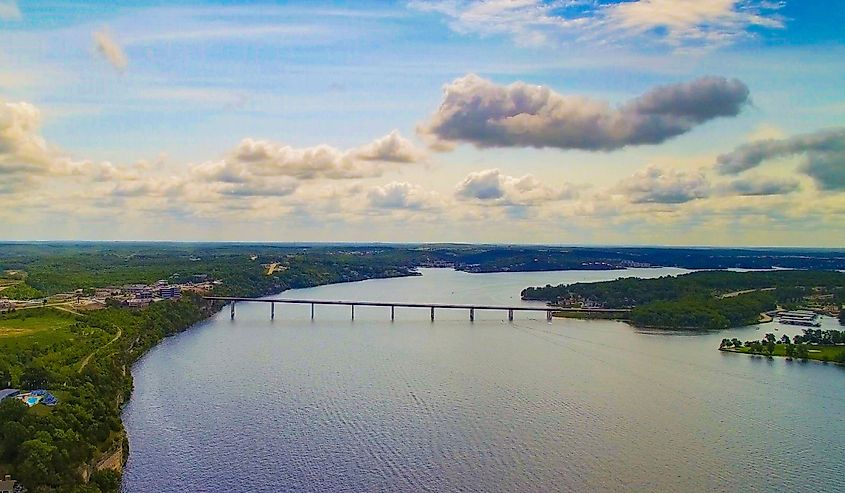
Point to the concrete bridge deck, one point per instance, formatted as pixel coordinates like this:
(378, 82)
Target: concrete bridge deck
(548, 310)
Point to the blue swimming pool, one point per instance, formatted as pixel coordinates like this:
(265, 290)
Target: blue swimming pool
(32, 400)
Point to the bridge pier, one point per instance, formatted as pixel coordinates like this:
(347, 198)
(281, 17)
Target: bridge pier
(510, 315)
(233, 310)
(272, 311)
(392, 312)
(472, 314)
(549, 315)
(353, 312)
(432, 314)
(312, 311)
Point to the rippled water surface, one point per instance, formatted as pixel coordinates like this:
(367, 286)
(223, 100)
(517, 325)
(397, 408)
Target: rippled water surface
(254, 405)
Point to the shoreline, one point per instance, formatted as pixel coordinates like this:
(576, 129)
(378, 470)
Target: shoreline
(819, 351)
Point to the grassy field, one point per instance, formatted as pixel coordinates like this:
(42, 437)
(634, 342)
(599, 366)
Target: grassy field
(46, 324)
(50, 337)
(818, 353)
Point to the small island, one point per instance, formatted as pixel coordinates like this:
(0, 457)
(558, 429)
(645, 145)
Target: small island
(827, 346)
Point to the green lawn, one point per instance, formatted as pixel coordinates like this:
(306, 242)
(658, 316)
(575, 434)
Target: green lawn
(819, 353)
(41, 323)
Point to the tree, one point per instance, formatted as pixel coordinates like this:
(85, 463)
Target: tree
(770, 338)
(34, 377)
(770, 347)
(789, 350)
(784, 339)
(842, 316)
(725, 343)
(36, 465)
(801, 351)
(107, 480)
(5, 378)
(14, 434)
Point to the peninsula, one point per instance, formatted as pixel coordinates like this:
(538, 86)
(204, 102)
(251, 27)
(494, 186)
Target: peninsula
(701, 300)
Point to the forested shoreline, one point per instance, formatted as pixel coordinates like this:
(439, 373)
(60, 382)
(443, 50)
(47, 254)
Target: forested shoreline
(700, 300)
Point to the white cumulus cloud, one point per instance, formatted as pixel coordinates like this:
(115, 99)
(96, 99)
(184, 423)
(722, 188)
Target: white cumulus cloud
(494, 187)
(401, 195)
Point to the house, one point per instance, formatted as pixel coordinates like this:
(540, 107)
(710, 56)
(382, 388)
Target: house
(7, 485)
(138, 302)
(8, 393)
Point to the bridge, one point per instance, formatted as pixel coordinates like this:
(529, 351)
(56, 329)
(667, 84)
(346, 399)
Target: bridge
(393, 305)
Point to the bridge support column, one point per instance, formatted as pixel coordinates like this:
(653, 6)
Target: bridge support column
(392, 313)
(432, 314)
(472, 314)
(272, 311)
(312, 311)
(233, 310)
(549, 315)
(510, 315)
(353, 312)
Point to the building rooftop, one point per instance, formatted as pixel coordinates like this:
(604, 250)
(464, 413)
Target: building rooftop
(7, 484)
(8, 393)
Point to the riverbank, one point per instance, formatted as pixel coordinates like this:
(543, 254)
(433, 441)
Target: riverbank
(592, 315)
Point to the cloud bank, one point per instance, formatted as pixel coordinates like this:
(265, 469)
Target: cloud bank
(758, 187)
(477, 111)
(823, 151)
(655, 185)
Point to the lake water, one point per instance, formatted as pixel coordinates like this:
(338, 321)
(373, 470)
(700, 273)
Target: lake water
(370, 405)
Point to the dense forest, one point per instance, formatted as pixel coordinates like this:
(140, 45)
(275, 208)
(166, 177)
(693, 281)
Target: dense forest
(55, 268)
(703, 312)
(50, 449)
(61, 267)
(708, 299)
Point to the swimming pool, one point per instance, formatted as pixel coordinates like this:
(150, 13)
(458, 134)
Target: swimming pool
(32, 400)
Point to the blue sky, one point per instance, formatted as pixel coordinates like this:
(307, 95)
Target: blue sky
(358, 121)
